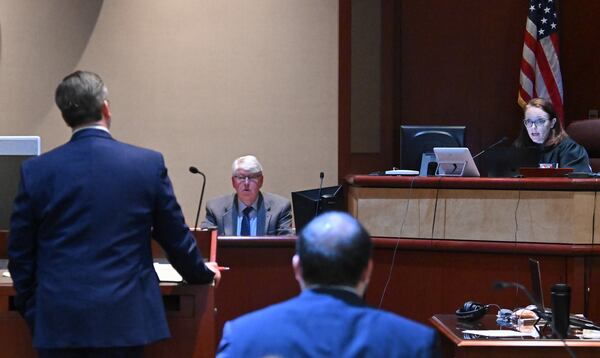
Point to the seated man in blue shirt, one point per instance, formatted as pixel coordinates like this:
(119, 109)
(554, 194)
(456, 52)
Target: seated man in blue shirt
(249, 212)
(329, 318)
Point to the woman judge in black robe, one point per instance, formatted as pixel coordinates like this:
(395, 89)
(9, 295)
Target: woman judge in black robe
(542, 128)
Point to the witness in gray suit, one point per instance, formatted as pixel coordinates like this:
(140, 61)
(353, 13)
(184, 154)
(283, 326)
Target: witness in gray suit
(248, 212)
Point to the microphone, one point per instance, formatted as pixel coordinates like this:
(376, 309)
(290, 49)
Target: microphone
(502, 140)
(498, 285)
(321, 175)
(195, 170)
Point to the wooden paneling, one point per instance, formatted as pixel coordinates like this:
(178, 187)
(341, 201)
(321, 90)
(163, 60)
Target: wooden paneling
(191, 323)
(261, 274)
(394, 212)
(421, 282)
(508, 215)
(476, 215)
(477, 208)
(579, 60)
(597, 219)
(389, 181)
(344, 158)
(556, 216)
(467, 75)
(349, 161)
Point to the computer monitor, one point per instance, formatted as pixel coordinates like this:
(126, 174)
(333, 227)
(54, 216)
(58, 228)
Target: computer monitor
(419, 140)
(505, 162)
(13, 151)
(305, 203)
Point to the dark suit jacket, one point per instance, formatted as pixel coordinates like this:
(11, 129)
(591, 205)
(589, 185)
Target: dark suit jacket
(274, 215)
(325, 323)
(79, 244)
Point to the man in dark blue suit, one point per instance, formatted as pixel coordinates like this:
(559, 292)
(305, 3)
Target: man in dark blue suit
(79, 245)
(328, 319)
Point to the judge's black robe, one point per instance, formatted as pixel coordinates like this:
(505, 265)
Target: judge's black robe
(567, 154)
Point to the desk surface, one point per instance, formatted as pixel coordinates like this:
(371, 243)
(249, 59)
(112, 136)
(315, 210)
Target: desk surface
(587, 184)
(452, 328)
(166, 288)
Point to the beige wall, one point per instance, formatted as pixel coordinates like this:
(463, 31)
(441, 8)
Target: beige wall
(201, 81)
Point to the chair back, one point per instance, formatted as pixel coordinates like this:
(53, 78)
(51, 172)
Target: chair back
(587, 133)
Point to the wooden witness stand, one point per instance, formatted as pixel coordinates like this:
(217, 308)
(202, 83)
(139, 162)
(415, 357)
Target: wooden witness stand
(190, 311)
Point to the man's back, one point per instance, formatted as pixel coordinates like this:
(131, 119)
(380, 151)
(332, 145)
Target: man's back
(94, 203)
(325, 323)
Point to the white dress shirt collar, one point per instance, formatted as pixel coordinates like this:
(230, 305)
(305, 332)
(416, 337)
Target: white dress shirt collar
(102, 128)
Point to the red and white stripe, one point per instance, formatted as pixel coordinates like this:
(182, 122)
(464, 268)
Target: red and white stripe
(540, 69)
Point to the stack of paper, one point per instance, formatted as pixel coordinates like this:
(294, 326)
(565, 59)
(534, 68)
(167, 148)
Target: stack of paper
(166, 273)
(500, 333)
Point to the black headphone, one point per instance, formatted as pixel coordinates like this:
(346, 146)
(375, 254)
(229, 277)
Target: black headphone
(472, 311)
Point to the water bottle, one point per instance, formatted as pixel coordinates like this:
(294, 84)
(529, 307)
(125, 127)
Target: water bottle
(561, 303)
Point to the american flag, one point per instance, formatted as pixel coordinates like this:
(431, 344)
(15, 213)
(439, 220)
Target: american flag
(540, 69)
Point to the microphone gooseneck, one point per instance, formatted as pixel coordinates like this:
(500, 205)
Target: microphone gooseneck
(502, 140)
(195, 170)
(498, 285)
(321, 175)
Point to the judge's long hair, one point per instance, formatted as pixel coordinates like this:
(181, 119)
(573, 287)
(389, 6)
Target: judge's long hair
(557, 133)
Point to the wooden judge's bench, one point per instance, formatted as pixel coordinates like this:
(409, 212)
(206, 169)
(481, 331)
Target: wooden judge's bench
(516, 210)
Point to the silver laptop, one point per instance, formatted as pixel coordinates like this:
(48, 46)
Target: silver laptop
(456, 162)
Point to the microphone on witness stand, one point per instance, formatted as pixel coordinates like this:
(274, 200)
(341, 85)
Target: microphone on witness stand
(502, 140)
(321, 175)
(499, 285)
(195, 170)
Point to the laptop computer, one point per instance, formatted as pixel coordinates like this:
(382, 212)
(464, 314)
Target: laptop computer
(536, 284)
(456, 162)
(504, 162)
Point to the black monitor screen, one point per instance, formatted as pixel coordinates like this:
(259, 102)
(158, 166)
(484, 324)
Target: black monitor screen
(305, 203)
(10, 166)
(13, 151)
(417, 140)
